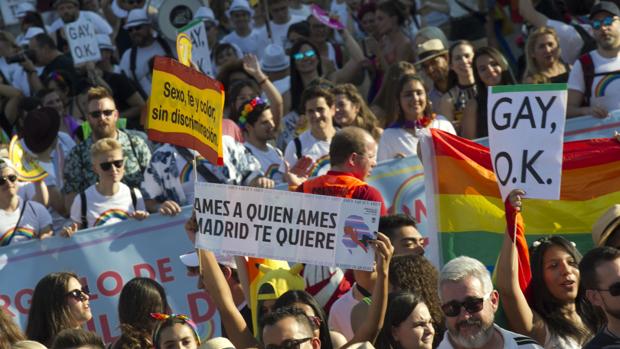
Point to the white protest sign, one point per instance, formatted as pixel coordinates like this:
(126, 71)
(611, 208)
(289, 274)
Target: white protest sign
(290, 226)
(201, 54)
(9, 10)
(526, 130)
(82, 41)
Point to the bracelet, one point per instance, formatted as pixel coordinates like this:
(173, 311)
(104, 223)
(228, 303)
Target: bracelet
(263, 81)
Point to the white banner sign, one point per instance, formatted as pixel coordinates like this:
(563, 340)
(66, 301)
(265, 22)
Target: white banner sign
(201, 54)
(82, 41)
(526, 129)
(295, 227)
(9, 10)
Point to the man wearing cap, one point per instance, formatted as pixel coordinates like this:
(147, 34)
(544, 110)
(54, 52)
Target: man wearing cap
(229, 269)
(606, 230)
(600, 67)
(248, 39)
(600, 278)
(69, 11)
(137, 62)
(433, 58)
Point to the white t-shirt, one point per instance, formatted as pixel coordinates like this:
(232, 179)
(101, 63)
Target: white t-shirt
(101, 25)
(279, 31)
(15, 75)
(143, 68)
(104, 210)
(340, 314)
(254, 43)
(395, 141)
(34, 219)
(303, 12)
(316, 149)
(511, 340)
(570, 40)
(605, 88)
(283, 85)
(270, 160)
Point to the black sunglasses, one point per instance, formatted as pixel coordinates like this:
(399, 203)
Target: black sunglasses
(614, 289)
(471, 305)
(97, 113)
(106, 166)
(80, 295)
(12, 178)
(288, 344)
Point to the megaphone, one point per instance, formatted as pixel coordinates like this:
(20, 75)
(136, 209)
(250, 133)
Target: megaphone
(169, 16)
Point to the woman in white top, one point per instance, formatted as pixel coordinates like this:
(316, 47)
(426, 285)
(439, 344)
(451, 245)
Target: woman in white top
(551, 311)
(400, 138)
(108, 201)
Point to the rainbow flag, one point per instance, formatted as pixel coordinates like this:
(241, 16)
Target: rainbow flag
(466, 210)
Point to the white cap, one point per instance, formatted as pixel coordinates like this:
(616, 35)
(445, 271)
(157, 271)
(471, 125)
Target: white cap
(217, 343)
(22, 8)
(206, 14)
(136, 17)
(240, 5)
(191, 260)
(104, 42)
(30, 33)
(274, 59)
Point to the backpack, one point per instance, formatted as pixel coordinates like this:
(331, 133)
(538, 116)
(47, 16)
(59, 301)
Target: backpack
(134, 199)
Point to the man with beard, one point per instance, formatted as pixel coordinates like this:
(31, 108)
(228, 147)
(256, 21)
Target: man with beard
(592, 81)
(600, 277)
(469, 303)
(69, 11)
(102, 116)
(433, 58)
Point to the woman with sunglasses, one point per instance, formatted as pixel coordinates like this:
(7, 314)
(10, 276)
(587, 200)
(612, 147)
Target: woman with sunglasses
(408, 324)
(108, 201)
(20, 220)
(400, 138)
(58, 302)
(553, 311)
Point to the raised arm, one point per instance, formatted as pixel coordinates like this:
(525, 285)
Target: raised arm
(252, 67)
(522, 319)
(353, 65)
(376, 314)
(531, 15)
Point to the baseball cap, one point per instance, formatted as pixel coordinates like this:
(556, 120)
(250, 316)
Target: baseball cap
(604, 6)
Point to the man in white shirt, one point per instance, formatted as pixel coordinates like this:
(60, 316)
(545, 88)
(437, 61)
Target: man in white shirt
(69, 11)
(281, 19)
(593, 81)
(249, 40)
(136, 62)
(469, 303)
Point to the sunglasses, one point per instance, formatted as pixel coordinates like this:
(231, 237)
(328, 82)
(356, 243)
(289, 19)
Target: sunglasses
(472, 305)
(599, 23)
(106, 166)
(98, 113)
(11, 178)
(301, 55)
(288, 344)
(79, 295)
(614, 289)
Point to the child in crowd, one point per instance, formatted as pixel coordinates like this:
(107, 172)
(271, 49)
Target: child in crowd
(108, 201)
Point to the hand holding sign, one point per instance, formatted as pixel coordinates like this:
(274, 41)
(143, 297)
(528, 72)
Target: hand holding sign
(526, 129)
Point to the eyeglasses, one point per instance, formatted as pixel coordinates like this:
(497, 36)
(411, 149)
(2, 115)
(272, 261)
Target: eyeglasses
(79, 295)
(288, 344)
(471, 305)
(599, 23)
(614, 289)
(301, 55)
(11, 178)
(106, 166)
(98, 113)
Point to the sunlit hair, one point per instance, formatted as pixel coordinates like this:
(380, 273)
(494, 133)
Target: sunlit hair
(399, 116)
(463, 267)
(169, 320)
(533, 70)
(97, 93)
(103, 146)
(453, 78)
(365, 118)
(290, 298)
(9, 331)
(384, 98)
(77, 338)
(297, 84)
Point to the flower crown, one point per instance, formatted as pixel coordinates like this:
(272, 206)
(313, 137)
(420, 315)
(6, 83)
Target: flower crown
(163, 317)
(249, 107)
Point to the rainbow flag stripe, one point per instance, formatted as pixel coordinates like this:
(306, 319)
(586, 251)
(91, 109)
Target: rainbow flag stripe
(464, 199)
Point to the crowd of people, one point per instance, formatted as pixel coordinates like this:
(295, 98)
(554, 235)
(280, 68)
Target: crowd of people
(312, 102)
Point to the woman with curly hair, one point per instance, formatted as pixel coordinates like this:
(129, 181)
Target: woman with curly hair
(139, 298)
(400, 138)
(351, 110)
(423, 283)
